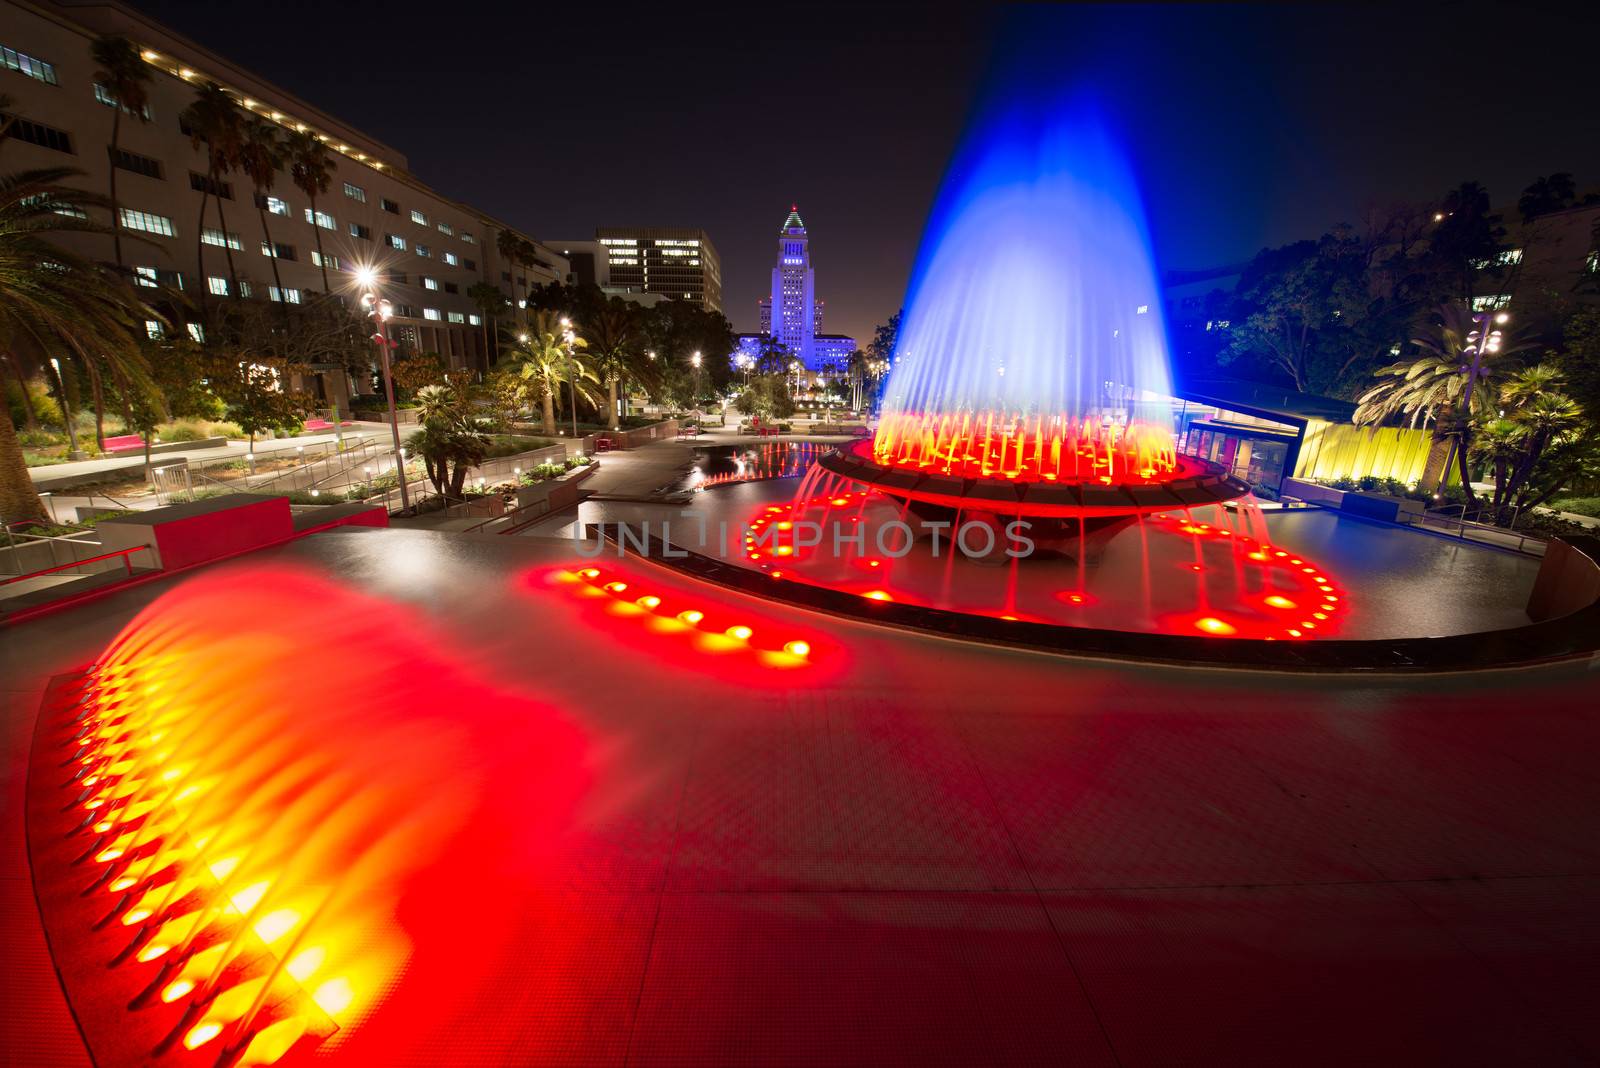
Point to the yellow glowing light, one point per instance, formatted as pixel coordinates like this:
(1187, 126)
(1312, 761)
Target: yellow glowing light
(783, 550)
(108, 855)
(741, 632)
(176, 990)
(152, 951)
(1258, 556)
(122, 884)
(223, 868)
(648, 601)
(616, 587)
(785, 525)
(1213, 625)
(798, 648)
(274, 925)
(305, 963)
(136, 916)
(103, 827)
(590, 572)
(877, 595)
(841, 500)
(1280, 602)
(249, 897)
(200, 1034)
(1319, 615)
(333, 997)
(691, 617)
(1294, 633)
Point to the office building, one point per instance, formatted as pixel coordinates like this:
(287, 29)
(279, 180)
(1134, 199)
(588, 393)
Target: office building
(676, 262)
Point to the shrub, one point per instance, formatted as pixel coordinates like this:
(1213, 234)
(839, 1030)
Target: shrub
(45, 407)
(185, 431)
(40, 439)
(1577, 505)
(511, 444)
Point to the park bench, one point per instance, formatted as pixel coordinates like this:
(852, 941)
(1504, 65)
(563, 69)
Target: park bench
(125, 443)
(688, 432)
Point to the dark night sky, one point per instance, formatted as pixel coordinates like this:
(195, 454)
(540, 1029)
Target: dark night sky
(1249, 125)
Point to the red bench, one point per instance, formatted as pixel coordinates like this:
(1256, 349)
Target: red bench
(125, 443)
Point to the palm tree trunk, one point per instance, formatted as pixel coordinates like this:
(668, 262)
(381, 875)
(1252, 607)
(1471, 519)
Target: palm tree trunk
(266, 235)
(615, 422)
(116, 210)
(200, 254)
(222, 224)
(549, 405)
(316, 231)
(18, 498)
(98, 396)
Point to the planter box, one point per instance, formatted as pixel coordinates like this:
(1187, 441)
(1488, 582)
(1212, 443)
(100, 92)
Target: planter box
(183, 534)
(500, 468)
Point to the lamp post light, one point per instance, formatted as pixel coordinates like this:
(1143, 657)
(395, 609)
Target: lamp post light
(74, 453)
(571, 338)
(1485, 339)
(379, 311)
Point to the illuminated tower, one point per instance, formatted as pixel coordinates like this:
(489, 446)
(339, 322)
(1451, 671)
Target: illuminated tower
(794, 309)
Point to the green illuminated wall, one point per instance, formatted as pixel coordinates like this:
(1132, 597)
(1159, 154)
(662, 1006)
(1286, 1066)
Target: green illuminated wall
(1340, 450)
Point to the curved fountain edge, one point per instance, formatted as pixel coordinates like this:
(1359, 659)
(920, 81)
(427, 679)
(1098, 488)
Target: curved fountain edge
(1566, 637)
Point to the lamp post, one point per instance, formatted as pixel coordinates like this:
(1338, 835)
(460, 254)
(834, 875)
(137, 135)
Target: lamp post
(571, 339)
(379, 310)
(74, 453)
(1480, 341)
(695, 361)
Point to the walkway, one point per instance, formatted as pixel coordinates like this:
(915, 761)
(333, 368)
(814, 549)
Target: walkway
(915, 852)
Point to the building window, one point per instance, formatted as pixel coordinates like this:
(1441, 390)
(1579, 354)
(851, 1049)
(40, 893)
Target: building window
(445, 228)
(431, 313)
(202, 183)
(429, 283)
(418, 218)
(475, 320)
(451, 287)
(132, 161)
(470, 265)
(278, 250)
(1491, 302)
(398, 278)
(450, 258)
(145, 276)
(148, 223)
(37, 133)
(26, 64)
(218, 286)
(322, 219)
(355, 192)
(1591, 263)
(1506, 258)
(197, 332)
(423, 250)
(273, 205)
(505, 276)
(466, 236)
(456, 317)
(152, 329)
(363, 232)
(405, 311)
(212, 236)
(321, 259)
(102, 94)
(389, 206)
(284, 295)
(395, 241)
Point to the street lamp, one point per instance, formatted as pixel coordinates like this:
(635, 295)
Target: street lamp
(379, 311)
(1485, 339)
(695, 360)
(571, 339)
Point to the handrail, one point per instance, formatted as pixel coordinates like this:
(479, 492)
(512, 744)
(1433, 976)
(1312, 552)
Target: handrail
(124, 553)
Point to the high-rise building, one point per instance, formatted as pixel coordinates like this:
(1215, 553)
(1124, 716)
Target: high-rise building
(792, 314)
(677, 262)
(429, 248)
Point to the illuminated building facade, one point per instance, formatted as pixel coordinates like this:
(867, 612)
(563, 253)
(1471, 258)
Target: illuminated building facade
(792, 314)
(676, 262)
(429, 248)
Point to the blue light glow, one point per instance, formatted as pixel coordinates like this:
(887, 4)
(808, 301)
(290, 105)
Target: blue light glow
(1034, 289)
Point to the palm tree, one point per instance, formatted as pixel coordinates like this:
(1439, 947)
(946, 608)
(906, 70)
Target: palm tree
(509, 246)
(312, 173)
(547, 361)
(614, 350)
(123, 75)
(450, 440)
(1450, 384)
(491, 301)
(260, 156)
(214, 123)
(55, 301)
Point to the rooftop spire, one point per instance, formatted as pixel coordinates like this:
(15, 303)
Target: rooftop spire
(793, 221)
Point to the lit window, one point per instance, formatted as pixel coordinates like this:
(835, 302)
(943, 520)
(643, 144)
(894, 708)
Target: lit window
(430, 313)
(475, 320)
(197, 332)
(355, 192)
(145, 276)
(322, 219)
(319, 259)
(25, 64)
(395, 241)
(467, 237)
(363, 232)
(456, 317)
(152, 328)
(445, 228)
(1592, 263)
(422, 250)
(218, 286)
(276, 206)
(148, 222)
(418, 218)
(429, 283)
(1491, 302)
(102, 94)
(450, 258)
(285, 295)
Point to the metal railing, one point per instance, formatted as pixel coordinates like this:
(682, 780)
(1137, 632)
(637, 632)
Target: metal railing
(124, 553)
(1469, 526)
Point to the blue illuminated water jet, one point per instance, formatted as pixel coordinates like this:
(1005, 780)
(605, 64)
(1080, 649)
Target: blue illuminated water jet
(1034, 289)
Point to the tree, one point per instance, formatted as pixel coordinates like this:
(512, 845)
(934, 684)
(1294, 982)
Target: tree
(1580, 360)
(509, 245)
(53, 301)
(124, 77)
(884, 338)
(1545, 195)
(311, 171)
(613, 343)
(1466, 241)
(256, 392)
(213, 123)
(260, 155)
(416, 371)
(544, 360)
(450, 439)
(491, 302)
